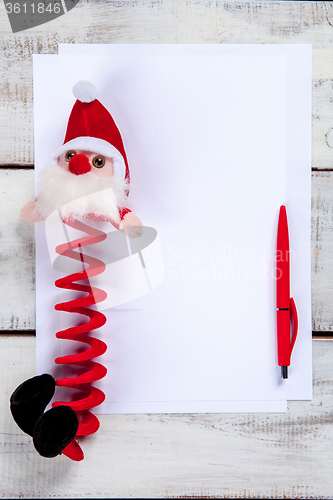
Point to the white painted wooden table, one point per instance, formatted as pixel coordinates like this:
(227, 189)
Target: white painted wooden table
(234, 455)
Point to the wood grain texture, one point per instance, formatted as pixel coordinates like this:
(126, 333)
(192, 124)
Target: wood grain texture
(167, 21)
(17, 262)
(157, 456)
(235, 456)
(17, 252)
(322, 250)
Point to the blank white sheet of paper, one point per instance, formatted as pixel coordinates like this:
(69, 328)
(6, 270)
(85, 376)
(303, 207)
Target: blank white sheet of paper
(205, 131)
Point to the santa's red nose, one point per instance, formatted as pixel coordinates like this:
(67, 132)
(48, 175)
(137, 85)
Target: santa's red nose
(79, 164)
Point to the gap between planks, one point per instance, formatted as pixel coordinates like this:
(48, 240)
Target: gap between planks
(21, 166)
(32, 333)
(18, 166)
(18, 333)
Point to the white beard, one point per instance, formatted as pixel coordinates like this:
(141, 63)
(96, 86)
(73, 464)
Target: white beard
(80, 195)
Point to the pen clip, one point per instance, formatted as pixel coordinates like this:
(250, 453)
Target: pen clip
(295, 323)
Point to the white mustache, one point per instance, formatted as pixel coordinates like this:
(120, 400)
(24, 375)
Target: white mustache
(80, 195)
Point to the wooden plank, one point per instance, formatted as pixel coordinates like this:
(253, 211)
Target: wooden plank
(17, 252)
(156, 456)
(168, 21)
(322, 251)
(17, 264)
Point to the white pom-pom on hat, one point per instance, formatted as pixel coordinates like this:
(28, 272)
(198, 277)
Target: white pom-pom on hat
(85, 91)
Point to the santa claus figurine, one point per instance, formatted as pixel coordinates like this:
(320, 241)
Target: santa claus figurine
(89, 165)
(88, 177)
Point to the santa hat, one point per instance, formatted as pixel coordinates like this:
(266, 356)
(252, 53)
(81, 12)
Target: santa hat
(92, 128)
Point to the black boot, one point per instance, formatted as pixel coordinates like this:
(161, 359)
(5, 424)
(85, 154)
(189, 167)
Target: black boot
(55, 430)
(29, 400)
(51, 431)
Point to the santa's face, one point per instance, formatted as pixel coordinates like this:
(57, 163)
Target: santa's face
(82, 183)
(80, 162)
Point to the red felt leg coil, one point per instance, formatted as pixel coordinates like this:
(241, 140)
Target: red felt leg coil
(88, 423)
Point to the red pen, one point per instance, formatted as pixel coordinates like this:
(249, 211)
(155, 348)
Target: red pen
(285, 306)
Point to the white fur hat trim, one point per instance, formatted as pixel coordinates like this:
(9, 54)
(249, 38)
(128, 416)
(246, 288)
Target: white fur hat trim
(85, 91)
(95, 145)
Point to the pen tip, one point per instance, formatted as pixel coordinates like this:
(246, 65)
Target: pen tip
(283, 211)
(284, 371)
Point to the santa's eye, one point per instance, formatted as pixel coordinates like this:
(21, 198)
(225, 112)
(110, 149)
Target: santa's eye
(98, 161)
(69, 155)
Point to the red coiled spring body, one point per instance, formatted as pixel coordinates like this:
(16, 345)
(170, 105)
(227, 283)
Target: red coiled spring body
(88, 423)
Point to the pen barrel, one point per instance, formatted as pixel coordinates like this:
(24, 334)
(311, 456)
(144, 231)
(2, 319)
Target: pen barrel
(283, 337)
